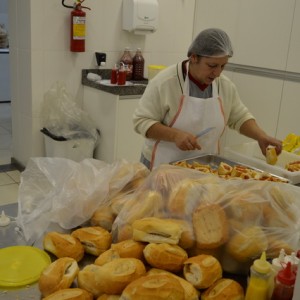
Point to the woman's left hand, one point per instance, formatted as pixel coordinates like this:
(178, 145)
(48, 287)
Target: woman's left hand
(266, 141)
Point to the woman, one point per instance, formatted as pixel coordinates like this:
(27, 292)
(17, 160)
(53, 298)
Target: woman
(193, 96)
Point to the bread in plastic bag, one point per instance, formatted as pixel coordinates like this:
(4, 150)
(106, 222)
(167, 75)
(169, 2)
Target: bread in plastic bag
(234, 220)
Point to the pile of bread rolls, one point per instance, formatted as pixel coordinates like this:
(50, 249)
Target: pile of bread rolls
(171, 235)
(151, 265)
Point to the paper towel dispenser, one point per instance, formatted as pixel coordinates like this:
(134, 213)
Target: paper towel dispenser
(140, 16)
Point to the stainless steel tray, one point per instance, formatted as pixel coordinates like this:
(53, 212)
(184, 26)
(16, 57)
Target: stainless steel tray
(214, 160)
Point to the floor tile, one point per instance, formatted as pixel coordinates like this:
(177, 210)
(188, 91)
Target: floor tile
(5, 179)
(9, 193)
(15, 175)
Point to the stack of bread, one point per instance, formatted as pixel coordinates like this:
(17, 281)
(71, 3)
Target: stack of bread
(173, 236)
(152, 265)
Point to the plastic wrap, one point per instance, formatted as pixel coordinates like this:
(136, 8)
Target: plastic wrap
(62, 191)
(253, 216)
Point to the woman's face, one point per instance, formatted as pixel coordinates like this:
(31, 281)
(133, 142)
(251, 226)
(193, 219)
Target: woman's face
(207, 69)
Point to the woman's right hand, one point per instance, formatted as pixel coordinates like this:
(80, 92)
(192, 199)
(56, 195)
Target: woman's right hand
(186, 141)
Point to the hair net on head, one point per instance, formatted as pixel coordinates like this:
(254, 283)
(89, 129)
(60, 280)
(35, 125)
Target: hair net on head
(211, 42)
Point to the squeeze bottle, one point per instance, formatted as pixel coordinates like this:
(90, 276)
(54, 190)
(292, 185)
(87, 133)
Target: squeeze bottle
(284, 284)
(258, 284)
(126, 59)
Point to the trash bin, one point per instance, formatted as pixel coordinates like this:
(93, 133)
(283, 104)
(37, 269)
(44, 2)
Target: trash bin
(69, 132)
(75, 149)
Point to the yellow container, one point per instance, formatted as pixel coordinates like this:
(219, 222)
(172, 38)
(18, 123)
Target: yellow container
(154, 69)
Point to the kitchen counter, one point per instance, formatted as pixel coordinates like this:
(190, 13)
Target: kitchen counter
(137, 87)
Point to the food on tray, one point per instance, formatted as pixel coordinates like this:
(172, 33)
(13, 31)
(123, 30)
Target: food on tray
(71, 293)
(95, 240)
(236, 171)
(63, 245)
(165, 256)
(112, 277)
(210, 226)
(202, 270)
(293, 166)
(222, 289)
(271, 155)
(58, 275)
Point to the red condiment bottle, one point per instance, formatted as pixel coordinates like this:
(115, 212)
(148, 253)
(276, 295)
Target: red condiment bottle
(114, 75)
(284, 284)
(122, 75)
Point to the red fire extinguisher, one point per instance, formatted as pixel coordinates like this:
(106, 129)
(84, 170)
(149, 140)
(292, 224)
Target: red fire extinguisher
(78, 30)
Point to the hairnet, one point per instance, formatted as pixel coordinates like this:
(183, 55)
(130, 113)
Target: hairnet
(211, 42)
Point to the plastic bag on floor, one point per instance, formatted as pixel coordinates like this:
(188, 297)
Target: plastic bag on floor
(65, 192)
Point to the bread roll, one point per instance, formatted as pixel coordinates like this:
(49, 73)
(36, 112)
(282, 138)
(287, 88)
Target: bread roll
(224, 289)
(190, 293)
(187, 238)
(124, 232)
(165, 256)
(156, 230)
(210, 226)
(106, 257)
(202, 270)
(247, 244)
(112, 277)
(59, 275)
(109, 297)
(70, 294)
(103, 217)
(129, 248)
(156, 286)
(146, 204)
(95, 240)
(63, 245)
(184, 197)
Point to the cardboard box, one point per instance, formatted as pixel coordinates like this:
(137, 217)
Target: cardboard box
(250, 154)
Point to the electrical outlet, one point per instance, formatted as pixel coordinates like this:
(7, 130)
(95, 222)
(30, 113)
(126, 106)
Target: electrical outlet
(100, 58)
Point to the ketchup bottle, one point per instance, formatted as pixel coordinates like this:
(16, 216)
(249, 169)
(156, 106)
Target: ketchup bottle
(122, 75)
(284, 284)
(114, 75)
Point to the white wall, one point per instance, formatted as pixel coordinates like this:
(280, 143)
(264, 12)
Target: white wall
(265, 34)
(39, 54)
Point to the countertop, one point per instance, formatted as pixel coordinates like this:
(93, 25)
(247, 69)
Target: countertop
(137, 87)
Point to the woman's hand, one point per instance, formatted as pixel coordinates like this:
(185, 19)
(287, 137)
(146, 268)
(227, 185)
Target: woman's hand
(265, 141)
(186, 141)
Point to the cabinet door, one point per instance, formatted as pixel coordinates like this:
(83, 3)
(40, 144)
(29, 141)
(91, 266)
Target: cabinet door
(129, 143)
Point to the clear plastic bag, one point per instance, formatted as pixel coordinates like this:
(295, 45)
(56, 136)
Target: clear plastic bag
(251, 216)
(65, 192)
(63, 119)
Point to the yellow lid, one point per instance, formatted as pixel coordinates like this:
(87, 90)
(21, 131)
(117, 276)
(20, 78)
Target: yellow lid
(21, 265)
(261, 265)
(156, 67)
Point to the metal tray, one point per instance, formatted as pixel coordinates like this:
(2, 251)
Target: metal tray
(214, 160)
